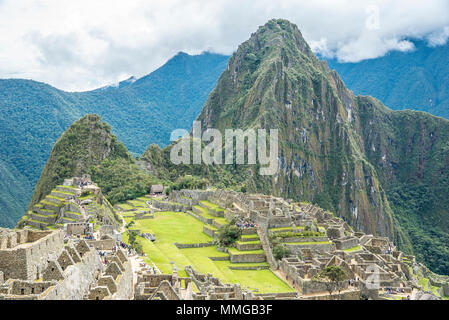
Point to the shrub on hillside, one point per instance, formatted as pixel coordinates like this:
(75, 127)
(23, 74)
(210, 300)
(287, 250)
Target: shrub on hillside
(229, 234)
(280, 251)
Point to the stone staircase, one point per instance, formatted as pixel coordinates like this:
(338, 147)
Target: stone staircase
(267, 249)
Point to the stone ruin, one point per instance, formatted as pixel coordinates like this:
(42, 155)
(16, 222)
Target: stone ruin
(62, 206)
(38, 265)
(150, 286)
(211, 288)
(362, 257)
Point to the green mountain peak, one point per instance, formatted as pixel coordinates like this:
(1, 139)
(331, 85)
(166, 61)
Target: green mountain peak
(86, 142)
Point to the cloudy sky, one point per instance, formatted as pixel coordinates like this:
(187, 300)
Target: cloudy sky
(84, 44)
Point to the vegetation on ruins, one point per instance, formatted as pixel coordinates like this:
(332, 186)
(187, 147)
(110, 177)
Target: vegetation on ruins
(280, 250)
(132, 238)
(188, 182)
(332, 276)
(229, 234)
(121, 180)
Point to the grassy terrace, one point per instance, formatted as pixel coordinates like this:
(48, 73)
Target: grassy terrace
(212, 206)
(254, 236)
(249, 242)
(237, 252)
(139, 203)
(298, 228)
(353, 249)
(171, 227)
(286, 229)
(73, 212)
(125, 206)
(68, 194)
(207, 215)
(67, 187)
(307, 243)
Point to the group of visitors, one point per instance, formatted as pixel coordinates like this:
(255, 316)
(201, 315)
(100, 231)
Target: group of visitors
(83, 183)
(394, 291)
(246, 225)
(102, 254)
(74, 198)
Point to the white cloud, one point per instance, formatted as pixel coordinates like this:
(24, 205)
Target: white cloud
(439, 37)
(84, 44)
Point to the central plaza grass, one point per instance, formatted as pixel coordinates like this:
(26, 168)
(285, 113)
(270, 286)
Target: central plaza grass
(171, 227)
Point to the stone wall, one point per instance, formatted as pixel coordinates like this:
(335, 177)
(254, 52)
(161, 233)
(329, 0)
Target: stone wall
(209, 231)
(305, 239)
(346, 243)
(106, 244)
(125, 290)
(28, 260)
(247, 257)
(78, 228)
(193, 245)
(77, 279)
(295, 249)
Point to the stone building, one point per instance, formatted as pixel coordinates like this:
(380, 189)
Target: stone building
(39, 265)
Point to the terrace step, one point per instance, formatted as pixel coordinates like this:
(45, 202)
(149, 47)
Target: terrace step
(61, 194)
(42, 218)
(246, 257)
(248, 246)
(68, 189)
(37, 224)
(53, 199)
(212, 209)
(72, 215)
(210, 230)
(249, 238)
(225, 258)
(67, 220)
(50, 205)
(237, 267)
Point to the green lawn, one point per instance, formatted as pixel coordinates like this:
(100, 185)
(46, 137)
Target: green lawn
(171, 227)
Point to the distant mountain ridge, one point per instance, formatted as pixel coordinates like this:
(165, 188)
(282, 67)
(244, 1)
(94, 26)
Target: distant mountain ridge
(33, 115)
(416, 80)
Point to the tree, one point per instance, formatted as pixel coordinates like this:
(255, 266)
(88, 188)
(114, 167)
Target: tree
(229, 234)
(332, 276)
(280, 251)
(129, 225)
(132, 238)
